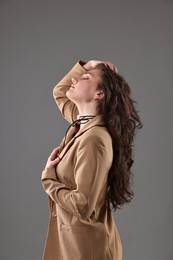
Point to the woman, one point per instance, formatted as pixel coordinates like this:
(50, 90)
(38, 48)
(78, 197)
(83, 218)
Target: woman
(90, 171)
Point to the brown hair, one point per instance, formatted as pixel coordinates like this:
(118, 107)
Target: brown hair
(122, 120)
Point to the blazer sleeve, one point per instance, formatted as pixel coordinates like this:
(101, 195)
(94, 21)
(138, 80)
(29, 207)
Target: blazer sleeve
(67, 107)
(91, 171)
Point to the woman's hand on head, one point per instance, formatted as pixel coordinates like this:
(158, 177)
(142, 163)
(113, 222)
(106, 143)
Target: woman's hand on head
(93, 63)
(53, 159)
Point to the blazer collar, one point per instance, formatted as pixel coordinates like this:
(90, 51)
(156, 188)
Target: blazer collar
(96, 121)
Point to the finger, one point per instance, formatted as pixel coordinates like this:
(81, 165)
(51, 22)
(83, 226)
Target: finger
(116, 70)
(53, 163)
(54, 153)
(56, 161)
(111, 66)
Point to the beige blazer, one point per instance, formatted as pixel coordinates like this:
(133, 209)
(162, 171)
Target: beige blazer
(81, 223)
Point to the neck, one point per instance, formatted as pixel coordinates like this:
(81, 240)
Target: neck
(87, 110)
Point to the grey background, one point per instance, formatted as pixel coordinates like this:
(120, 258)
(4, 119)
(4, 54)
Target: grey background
(39, 42)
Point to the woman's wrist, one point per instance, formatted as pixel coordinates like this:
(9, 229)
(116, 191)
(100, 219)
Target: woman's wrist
(93, 63)
(88, 65)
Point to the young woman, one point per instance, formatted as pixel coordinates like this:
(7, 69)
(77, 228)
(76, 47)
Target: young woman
(89, 173)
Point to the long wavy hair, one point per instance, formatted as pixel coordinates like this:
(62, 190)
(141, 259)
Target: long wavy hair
(122, 120)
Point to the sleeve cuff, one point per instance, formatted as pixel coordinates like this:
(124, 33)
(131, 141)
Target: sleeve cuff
(49, 173)
(77, 69)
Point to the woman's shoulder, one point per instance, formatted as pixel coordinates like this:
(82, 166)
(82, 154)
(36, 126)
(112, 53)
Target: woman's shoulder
(98, 134)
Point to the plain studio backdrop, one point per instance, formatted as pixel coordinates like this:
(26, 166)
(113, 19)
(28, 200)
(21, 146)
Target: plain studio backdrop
(39, 43)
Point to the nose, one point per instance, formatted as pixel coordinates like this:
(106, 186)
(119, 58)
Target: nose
(74, 80)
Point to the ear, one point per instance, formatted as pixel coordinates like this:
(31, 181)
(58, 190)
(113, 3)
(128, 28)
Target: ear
(99, 95)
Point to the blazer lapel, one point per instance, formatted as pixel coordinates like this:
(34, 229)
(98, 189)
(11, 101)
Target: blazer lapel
(68, 140)
(73, 133)
(66, 148)
(97, 121)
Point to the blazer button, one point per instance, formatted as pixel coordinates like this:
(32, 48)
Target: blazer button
(54, 214)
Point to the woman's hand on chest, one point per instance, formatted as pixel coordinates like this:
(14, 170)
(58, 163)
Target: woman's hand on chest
(53, 159)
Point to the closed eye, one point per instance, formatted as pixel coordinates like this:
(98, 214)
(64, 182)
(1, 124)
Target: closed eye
(85, 77)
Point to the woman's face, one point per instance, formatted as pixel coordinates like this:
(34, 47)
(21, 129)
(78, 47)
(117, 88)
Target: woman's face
(84, 88)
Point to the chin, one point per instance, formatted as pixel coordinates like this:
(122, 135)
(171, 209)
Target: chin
(69, 95)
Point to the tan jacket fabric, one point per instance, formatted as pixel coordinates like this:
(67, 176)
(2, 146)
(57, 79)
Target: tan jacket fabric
(81, 223)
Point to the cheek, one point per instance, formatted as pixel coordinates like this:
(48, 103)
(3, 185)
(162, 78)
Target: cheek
(82, 89)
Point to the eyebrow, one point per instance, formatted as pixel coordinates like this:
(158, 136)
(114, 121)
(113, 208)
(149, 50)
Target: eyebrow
(88, 72)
